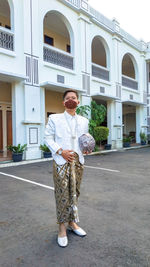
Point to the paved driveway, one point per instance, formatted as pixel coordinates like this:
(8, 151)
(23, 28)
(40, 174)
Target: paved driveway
(114, 209)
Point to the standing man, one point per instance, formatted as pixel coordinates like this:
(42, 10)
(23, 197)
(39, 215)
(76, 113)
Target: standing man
(61, 136)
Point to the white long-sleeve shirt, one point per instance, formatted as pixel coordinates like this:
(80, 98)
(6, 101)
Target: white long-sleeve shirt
(59, 135)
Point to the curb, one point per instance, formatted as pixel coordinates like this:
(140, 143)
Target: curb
(13, 164)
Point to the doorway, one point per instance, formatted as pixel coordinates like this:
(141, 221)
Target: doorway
(1, 131)
(9, 127)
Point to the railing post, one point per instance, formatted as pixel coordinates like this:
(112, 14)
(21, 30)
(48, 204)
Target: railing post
(6, 40)
(56, 57)
(84, 4)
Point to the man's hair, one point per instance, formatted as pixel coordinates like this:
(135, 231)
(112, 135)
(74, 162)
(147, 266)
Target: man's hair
(70, 91)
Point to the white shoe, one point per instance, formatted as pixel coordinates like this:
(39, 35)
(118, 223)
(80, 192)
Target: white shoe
(79, 232)
(62, 241)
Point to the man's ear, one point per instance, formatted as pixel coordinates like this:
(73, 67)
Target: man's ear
(63, 103)
(78, 102)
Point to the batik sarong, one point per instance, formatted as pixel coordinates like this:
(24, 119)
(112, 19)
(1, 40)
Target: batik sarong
(67, 181)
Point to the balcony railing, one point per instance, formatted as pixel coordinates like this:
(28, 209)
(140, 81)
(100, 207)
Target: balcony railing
(83, 4)
(101, 18)
(129, 82)
(6, 39)
(100, 72)
(75, 3)
(57, 57)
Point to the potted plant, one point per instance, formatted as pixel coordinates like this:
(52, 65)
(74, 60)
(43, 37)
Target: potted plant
(143, 138)
(46, 151)
(100, 134)
(17, 151)
(127, 141)
(107, 146)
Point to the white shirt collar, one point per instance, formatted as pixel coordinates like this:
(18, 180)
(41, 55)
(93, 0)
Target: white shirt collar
(69, 116)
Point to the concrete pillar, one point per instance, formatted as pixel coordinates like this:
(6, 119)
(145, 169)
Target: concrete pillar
(140, 121)
(86, 100)
(18, 113)
(32, 120)
(84, 63)
(114, 123)
(42, 113)
(115, 69)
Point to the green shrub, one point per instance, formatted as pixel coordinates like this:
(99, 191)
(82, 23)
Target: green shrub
(18, 148)
(128, 139)
(101, 133)
(44, 148)
(98, 113)
(143, 136)
(83, 110)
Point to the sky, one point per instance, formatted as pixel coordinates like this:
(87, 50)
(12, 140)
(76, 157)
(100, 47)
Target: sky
(133, 15)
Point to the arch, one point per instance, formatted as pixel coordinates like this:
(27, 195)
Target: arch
(129, 66)
(11, 6)
(64, 25)
(103, 57)
(7, 14)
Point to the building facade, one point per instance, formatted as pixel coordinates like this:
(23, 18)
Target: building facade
(49, 46)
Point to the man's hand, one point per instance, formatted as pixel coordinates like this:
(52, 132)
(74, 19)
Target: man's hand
(68, 155)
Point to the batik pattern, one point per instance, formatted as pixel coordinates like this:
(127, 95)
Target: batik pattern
(67, 181)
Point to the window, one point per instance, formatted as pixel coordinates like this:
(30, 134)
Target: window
(7, 27)
(68, 48)
(50, 113)
(48, 40)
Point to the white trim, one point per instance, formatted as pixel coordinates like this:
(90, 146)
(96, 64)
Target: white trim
(7, 52)
(10, 76)
(57, 67)
(131, 90)
(133, 103)
(49, 84)
(127, 77)
(99, 66)
(94, 79)
(100, 95)
(58, 50)
(6, 30)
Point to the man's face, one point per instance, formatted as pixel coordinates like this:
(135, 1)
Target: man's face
(71, 95)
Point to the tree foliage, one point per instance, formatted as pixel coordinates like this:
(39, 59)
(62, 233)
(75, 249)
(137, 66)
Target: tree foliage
(83, 110)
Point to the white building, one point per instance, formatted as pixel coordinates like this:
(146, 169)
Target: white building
(49, 46)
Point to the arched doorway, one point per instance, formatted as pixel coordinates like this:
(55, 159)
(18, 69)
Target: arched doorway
(100, 59)
(58, 40)
(5, 119)
(129, 72)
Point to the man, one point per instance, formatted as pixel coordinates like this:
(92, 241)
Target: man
(61, 136)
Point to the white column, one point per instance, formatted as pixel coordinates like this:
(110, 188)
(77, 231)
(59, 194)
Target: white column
(84, 52)
(32, 121)
(4, 122)
(114, 123)
(110, 122)
(42, 113)
(115, 69)
(18, 113)
(141, 120)
(86, 100)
